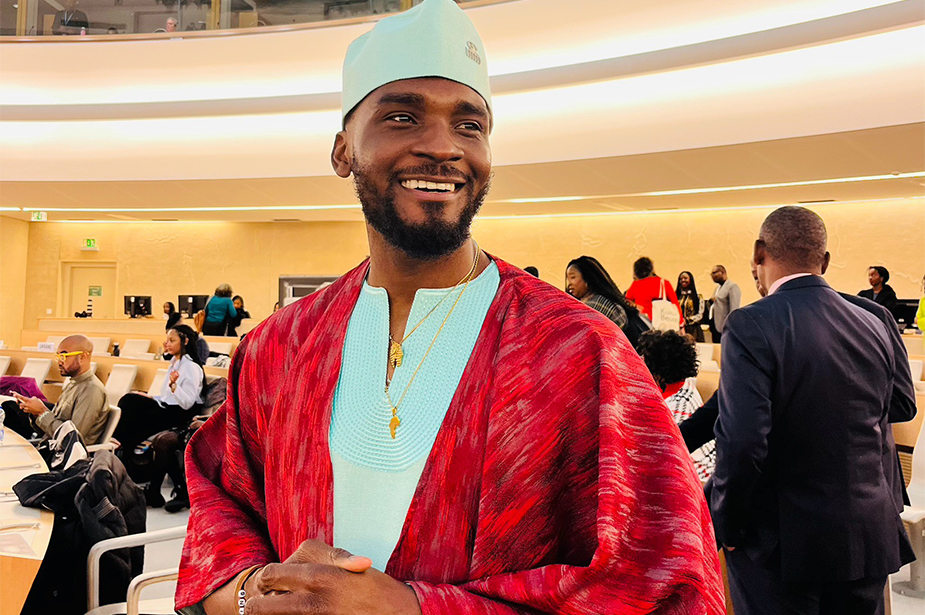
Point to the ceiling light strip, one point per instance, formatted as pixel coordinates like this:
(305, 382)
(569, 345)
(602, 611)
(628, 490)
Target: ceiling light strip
(809, 182)
(155, 210)
(689, 210)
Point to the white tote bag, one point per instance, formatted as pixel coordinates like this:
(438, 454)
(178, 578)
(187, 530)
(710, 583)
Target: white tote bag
(665, 315)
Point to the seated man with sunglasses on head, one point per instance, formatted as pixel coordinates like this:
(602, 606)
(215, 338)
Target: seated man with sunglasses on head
(83, 399)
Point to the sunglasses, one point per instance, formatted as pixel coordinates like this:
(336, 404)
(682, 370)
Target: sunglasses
(61, 356)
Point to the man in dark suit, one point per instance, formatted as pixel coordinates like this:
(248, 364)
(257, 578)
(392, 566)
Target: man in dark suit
(803, 498)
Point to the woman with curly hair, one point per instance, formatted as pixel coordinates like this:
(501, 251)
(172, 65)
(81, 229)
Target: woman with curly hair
(672, 360)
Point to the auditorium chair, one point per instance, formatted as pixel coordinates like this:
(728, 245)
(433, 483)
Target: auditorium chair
(100, 345)
(120, 382)
(4, 365)
(913, 517)
(220, 347)
(132, 605)
(37, 369)
(157, 382)
(135, 348)
(55, 339)
(112, 421)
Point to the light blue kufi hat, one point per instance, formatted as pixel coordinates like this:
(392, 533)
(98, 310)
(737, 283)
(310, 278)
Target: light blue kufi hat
(434, 39)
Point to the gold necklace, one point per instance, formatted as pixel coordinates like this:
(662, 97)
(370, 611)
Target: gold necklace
(396, 354)
(395, 422)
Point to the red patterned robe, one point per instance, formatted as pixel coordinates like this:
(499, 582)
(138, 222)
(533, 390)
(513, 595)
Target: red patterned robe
(558, 482)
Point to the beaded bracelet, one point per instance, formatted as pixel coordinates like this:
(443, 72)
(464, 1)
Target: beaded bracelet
(239, 592)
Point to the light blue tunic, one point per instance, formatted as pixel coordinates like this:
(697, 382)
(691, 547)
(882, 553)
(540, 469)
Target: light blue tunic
(375, 477)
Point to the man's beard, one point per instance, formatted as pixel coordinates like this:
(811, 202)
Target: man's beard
(429, 240)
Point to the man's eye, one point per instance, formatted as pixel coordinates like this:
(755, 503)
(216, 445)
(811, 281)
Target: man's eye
(402, 118)
(471, 126)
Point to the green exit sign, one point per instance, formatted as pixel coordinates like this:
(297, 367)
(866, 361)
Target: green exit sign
(89, 244)
(39, 216)
(95, 291)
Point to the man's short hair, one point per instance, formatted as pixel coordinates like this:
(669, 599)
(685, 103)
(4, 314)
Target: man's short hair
(721, 268)
(643, 268)
(795, 236)
(883, 271)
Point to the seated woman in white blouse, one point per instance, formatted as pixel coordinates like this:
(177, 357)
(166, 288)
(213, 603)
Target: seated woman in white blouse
(176, 404)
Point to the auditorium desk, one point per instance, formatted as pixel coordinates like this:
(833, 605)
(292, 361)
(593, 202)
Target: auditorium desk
(143, 380)
(121, 325)
(32, 338)
(21, 549)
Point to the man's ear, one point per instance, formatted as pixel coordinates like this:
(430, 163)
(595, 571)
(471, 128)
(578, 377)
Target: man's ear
(825, 262)
(760, 252)
(340, 156)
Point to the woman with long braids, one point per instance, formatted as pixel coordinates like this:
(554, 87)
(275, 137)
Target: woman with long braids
(174, 406)
(691, 305)
(588, 281)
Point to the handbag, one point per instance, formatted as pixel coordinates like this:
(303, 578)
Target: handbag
(665, 315)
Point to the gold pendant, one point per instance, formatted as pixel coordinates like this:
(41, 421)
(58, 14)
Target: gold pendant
(394, 423)
(395, 354)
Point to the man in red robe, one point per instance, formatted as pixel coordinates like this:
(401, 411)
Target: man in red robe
(557, 481)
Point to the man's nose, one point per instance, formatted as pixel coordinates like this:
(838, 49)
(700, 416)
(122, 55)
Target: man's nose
(438, 143)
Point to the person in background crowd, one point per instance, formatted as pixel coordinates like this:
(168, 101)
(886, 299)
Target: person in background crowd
(171, 25)
(691, 304)
(112, 30)
(173, 316)
(726, 297)
(83, 399)
(174, 406)
(672, 360)
(69, 21)
(276, 307)
(451, 498)
(240, 314)
(588, 281)
(647, 287)
(804, 491)
(880, 292)
(219, 311)
(920, 314)
(532, 271)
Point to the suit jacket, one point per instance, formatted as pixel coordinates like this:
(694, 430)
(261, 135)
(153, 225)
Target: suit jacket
(726, 298)
(902, 402)
(805, 395)
(886, 297)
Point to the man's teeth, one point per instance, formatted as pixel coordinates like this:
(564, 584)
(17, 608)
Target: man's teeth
(417, 184)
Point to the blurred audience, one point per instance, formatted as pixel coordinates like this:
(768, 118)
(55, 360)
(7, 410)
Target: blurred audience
(173, 316)
(691, 304)
(879, 291)
(672, 360)
(588, 281)
(219, 311)
(647, 288)
(920, 314)
(240, 314)
(83, 399)
(174, 406)
(726, 297)
(69, 21)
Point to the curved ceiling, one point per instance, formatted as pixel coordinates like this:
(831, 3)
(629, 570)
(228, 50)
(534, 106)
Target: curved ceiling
(606, 80)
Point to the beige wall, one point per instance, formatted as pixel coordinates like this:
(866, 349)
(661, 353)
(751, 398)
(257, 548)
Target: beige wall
(14, 247)
(165, 259)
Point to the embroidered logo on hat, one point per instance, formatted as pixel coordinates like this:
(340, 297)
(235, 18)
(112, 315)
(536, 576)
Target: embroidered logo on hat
(473, 52)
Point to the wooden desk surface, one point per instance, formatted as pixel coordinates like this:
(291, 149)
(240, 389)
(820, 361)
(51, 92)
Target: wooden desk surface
(18, 570)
